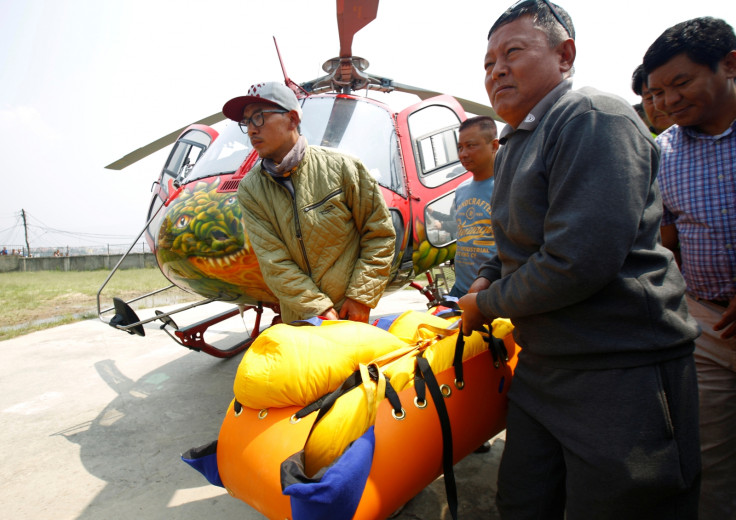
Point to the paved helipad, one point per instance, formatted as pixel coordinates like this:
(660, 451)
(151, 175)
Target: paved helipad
(93, 421)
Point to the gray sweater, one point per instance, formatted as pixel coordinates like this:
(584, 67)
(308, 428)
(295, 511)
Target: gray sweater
(580, 268)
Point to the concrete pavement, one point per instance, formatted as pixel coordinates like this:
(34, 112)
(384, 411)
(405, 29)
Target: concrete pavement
(93, 421)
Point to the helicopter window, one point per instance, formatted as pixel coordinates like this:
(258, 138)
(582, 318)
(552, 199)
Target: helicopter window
(197, 137)
(438, 150)
(439, 220)
(225, 154)
(183, 156)
(176, 158)
(434, 133)
(186, 151)
(359, 128)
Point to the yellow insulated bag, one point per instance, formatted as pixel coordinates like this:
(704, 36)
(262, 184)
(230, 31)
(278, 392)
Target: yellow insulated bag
(291, 365)
(350, 415)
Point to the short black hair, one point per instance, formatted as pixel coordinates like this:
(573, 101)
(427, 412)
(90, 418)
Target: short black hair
(486, 124)
(543, 18)
(638, 78)
(705, 41)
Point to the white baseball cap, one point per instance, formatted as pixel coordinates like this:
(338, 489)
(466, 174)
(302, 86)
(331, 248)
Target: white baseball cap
(271, 92)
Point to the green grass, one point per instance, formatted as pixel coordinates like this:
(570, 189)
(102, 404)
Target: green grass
(38, 300)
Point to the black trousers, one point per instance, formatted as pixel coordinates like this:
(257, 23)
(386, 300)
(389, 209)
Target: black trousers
(601, 444)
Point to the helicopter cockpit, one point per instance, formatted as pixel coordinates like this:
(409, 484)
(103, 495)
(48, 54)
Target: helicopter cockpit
(225, 155)
(360, 128)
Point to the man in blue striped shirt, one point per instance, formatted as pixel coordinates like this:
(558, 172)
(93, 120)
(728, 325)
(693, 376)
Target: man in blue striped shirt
(691, 72)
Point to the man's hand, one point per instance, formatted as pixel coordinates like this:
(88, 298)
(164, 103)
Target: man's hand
(728, 321)
(472, 318)
(479, 284)
(354, 311)
(331, 314)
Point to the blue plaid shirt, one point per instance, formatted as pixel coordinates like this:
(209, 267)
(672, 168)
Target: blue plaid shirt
(697, 178)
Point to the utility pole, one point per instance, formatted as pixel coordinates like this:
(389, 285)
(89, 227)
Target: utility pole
(25, 229)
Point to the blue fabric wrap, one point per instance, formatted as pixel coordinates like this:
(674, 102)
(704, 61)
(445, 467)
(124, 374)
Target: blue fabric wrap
(204, 460)
(386, 321)
(447, 313)
(337, 494)
(315, 320)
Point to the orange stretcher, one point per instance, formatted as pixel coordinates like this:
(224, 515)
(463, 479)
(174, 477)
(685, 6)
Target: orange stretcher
(408, 452)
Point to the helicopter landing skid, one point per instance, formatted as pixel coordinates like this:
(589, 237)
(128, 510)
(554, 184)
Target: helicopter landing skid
(192, 336)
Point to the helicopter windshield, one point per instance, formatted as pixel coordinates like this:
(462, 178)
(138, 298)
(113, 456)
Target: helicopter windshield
(225, 154)
(359, 128)
(353, 126)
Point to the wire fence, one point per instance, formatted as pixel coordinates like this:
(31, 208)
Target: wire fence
(25, 235)
(66, 250)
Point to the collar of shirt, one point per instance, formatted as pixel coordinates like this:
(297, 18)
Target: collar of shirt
(691, 132)
(531, 121)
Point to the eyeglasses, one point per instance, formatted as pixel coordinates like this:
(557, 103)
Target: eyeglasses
(257, 119)
(524, 3)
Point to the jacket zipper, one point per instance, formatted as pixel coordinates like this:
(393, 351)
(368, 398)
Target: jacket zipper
(297, 224)
(318, 204)
(298, 227)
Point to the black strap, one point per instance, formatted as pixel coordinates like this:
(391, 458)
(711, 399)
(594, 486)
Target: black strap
(390, 392)
(419, 386)
(498, 350)
(446, 428)
(450, 304)
(311, 407)
(324, 403)
(292, 469)
(457, 362)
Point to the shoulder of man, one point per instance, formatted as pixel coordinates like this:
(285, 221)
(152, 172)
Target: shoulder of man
(323, 151)
(589, 100)
(669, 138)
(337, 159)
(254, 176)
(466, 185)
(467, 182)
(332, 155)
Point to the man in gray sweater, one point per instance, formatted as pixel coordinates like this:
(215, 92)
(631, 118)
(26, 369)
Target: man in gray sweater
(602, 419)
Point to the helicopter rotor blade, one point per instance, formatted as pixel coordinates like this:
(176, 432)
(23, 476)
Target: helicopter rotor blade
(422, 93)
(469, 106)
(352, 19)
(158, 144)
(478, 109)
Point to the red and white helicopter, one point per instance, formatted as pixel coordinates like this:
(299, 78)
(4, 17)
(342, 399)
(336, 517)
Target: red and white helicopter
(194, 223)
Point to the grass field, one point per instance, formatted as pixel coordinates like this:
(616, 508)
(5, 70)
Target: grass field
(44, 299)
(39, 300)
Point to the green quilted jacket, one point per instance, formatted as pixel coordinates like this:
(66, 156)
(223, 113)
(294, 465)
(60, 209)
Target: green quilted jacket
(332, 240)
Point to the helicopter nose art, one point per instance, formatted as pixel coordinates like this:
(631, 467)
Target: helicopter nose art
(202, 243)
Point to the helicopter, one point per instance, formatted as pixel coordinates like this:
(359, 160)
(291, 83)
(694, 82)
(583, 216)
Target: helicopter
(194, 225)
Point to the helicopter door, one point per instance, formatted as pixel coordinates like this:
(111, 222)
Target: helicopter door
(186, 151)
(429, 134)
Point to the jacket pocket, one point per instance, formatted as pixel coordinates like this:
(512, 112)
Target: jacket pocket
(322, 202)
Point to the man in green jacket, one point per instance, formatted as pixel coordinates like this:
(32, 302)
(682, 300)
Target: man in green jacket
(316, 218)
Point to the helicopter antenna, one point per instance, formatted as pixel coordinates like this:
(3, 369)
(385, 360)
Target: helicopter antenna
(289, 82)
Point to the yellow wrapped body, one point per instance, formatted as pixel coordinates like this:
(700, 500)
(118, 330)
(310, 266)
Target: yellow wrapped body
(294, 366)
(291, 365)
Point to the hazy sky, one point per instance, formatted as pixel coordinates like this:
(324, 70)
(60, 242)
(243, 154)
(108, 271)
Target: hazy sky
(84, 82)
